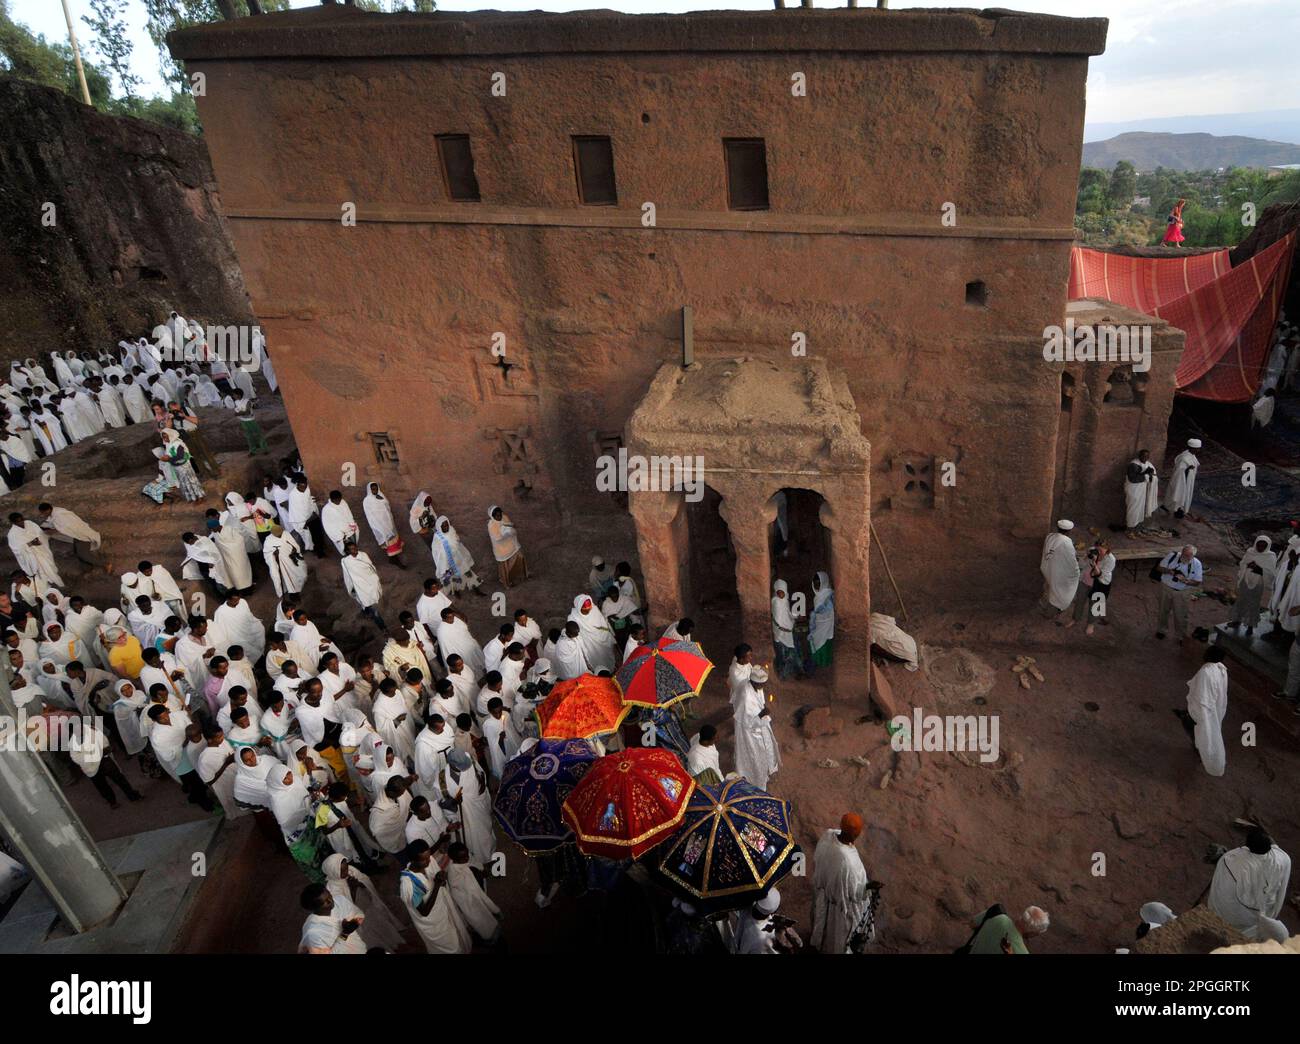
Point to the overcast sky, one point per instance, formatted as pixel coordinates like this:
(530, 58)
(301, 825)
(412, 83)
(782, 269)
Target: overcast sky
(1163, 57)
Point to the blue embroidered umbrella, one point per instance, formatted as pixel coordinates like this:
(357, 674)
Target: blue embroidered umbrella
(533, 788)
(734, 844)
(660, 675)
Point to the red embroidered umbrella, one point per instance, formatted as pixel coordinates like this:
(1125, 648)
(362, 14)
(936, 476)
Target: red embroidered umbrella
(581, 708)
(662, 674)
(628, 802)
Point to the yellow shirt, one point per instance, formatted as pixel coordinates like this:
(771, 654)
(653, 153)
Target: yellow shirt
(126, 660)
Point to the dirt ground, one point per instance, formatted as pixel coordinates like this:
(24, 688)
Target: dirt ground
(1097, 804)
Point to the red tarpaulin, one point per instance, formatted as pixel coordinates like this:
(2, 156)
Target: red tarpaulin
(1228, 314)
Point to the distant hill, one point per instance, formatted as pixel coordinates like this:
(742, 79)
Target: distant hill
(1146, 151)
(1274, 125)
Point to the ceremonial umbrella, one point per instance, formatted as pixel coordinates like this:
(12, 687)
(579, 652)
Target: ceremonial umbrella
(581, 708)
(735, 842)
(628, 802)
(534, 786)
(660, 675)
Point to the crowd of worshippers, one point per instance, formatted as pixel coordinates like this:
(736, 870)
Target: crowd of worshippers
(47, 407)
(363, 763)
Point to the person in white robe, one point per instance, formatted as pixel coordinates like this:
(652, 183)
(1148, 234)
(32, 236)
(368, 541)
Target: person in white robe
(334, 925)
(1284, 601)
(466, 784)
(842, 890)
(569, 657)
(783, 640)
(300, 507)
(388, 814)
(32, 550)
(481, 914)
(393, 720)
(1249, 887)
(111, 405)
(285, 562)
(428, 610)
(71, 527)
(308, 635)
(217, 767)
(1255, 575)
(48, 431)
(238, 515)
(1207, 703)
(240, 626)
(146, 619)
(234, 556)
(452, 561)
(1182, 480)
(379, 514)
(594, 634)
(702, 759)
(202, 551)
(156, 580)
(821, 621)
(61, 646)
(427, 898)
(422, 515)
(1060, 568)
(136, 401)
(454, 638)
(758, 757)
(337, 521)
(432, 745)
(1141, 491)
(344, 879)
(463, 683)
(361, 580)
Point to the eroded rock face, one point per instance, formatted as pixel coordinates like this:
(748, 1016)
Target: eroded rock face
(137, 228)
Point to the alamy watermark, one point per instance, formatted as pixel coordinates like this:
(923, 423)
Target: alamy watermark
(947, 733)
(238, 344)
(64, 732)
(625, 472)
(1102, 342)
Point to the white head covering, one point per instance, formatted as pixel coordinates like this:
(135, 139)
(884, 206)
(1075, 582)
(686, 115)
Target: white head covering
(1064, 524)
(769, 904)
(289, 802)
(1193, 443)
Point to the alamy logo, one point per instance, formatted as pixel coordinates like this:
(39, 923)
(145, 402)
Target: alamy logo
(74, 997)
(947, 733)
(1100, 343)
(236, 345)
(633, 473)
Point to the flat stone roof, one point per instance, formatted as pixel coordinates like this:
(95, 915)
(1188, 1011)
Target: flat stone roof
(338, 31)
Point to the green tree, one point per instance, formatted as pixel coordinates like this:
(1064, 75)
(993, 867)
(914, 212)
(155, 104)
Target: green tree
(1123, 185)
(29, 56)
(105, 21)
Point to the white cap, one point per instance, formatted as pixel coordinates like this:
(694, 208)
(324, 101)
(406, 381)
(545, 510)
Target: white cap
(1064, 523)
(1194, 443)
(758, 675)
(769, 904)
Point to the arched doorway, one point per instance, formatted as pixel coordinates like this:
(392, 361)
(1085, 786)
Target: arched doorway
(798, 543)
(711, 570)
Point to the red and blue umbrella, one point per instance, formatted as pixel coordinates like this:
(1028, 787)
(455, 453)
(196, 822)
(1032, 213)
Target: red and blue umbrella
(734, 843)
(628, 802)
(534, 786)
(662, 674)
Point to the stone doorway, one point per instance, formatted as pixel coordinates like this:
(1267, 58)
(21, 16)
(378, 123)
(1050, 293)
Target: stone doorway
(711, 576)
(754, 427)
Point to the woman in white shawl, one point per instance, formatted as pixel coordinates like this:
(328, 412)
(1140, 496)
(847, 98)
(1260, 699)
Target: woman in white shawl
(512, 566)
(757, 754)
(62, 371)
(1255, 573)
(594, 634)
(379, 513)
(452, 561)
(783, 640)
(252, 769)
(821, 623)
(239, 515)
(176, 467)
(62, 646)
(290, 803)
(234, 557)
(345, 881)
(56, 685)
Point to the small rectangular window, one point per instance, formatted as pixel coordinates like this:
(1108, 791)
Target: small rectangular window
(458, 167)
(746, 173)
(593, 159)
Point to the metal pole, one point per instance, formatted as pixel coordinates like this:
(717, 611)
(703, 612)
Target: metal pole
(76, 57)
(48, 835)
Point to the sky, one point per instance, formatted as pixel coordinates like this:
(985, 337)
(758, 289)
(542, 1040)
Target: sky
(1163, 57)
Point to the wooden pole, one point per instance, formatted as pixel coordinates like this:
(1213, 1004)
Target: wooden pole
(76, 54)
(889, 572)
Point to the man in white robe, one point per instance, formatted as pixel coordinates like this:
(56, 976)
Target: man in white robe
(757, 755)
(841, 888)
(454, 637)
(203, 561)
(1249, 886)
(299, 512)
(337, 521)
(285, 562)
(241, 627)
(481, 914)
(146, 619)
(429, 902)
(428, 610)
(1141, 490)
(432, 746)
(111, 405)
(465, 783)
(1182, 481)
(361, 580)
(1060, 568)
(32, 550)
(702, 756)
(234, 554)
(569, 659)
(1255, 573)
(69, 528)
(156, 580)
(1207, 703)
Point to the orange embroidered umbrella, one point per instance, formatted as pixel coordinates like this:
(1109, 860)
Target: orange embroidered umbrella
(628, 802)
(582, 708)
